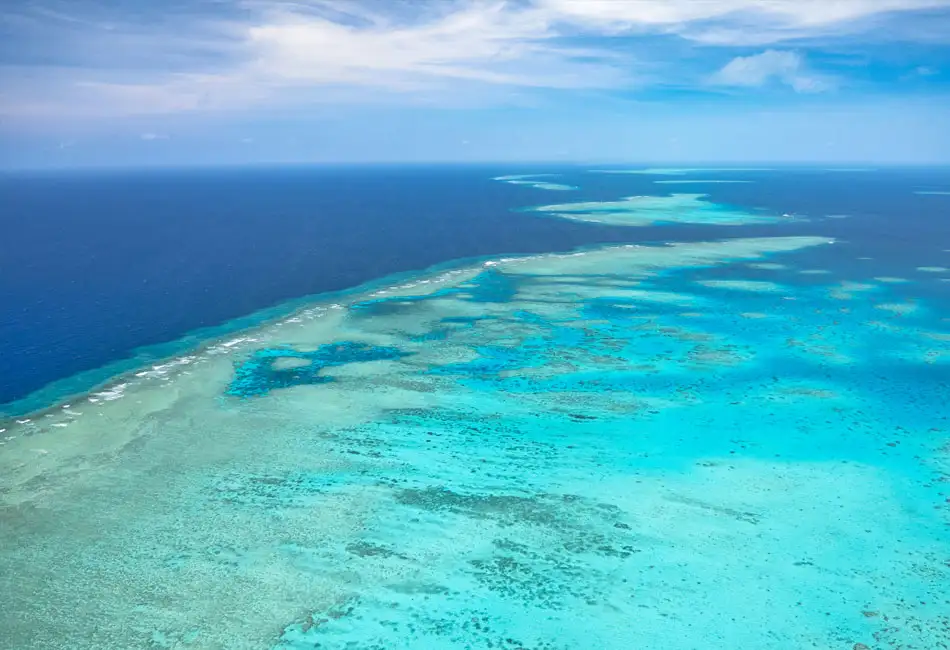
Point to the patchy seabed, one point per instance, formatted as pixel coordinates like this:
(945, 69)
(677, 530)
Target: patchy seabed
(651, 210)
(680, 446)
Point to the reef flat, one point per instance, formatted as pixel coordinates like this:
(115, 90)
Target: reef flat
(631, 446)
(530, 180)
(650, 210)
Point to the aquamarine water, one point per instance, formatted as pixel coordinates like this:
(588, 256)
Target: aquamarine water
(650, 210)
(532, 180)
(733, 443)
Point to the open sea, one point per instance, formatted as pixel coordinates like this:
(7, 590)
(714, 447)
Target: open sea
(459, 407)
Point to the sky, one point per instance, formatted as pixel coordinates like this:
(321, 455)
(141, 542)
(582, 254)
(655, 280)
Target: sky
(91, 83)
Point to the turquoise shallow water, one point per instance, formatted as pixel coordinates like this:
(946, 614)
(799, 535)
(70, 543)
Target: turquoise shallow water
(536, 181)
(648, 210)
(696, 445)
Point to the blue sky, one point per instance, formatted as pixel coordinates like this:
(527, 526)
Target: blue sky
(170, 82)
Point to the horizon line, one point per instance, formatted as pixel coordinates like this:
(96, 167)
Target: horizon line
(757, 165)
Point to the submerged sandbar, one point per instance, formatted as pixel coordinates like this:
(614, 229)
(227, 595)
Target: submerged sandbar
(530, 180)
(648, 210)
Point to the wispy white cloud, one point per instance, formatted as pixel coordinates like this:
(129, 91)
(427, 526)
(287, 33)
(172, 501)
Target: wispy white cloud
(309, 51)
(148, 137)
(476, 41)
(734, 22)
(771, 66)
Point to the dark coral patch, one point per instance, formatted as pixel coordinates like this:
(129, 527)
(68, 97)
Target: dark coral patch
(262, 372)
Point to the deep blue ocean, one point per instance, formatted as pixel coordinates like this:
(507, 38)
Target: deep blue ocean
(115, 267)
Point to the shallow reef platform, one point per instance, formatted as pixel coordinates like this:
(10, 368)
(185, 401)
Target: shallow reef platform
(650, 210)
(695, 445)
(532, 180)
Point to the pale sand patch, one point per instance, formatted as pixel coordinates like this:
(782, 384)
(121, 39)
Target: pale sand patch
(891, 280)
(899, 307)
(641, 261)
(857, 286)
(757, 286)
(646, 210)
(767, 266)
(846, 290)
(289, 363)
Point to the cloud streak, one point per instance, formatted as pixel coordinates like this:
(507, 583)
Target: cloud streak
(277, 53)
(735, 22)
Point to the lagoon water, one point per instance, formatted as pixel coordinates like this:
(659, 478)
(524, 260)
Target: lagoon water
(713, 418)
